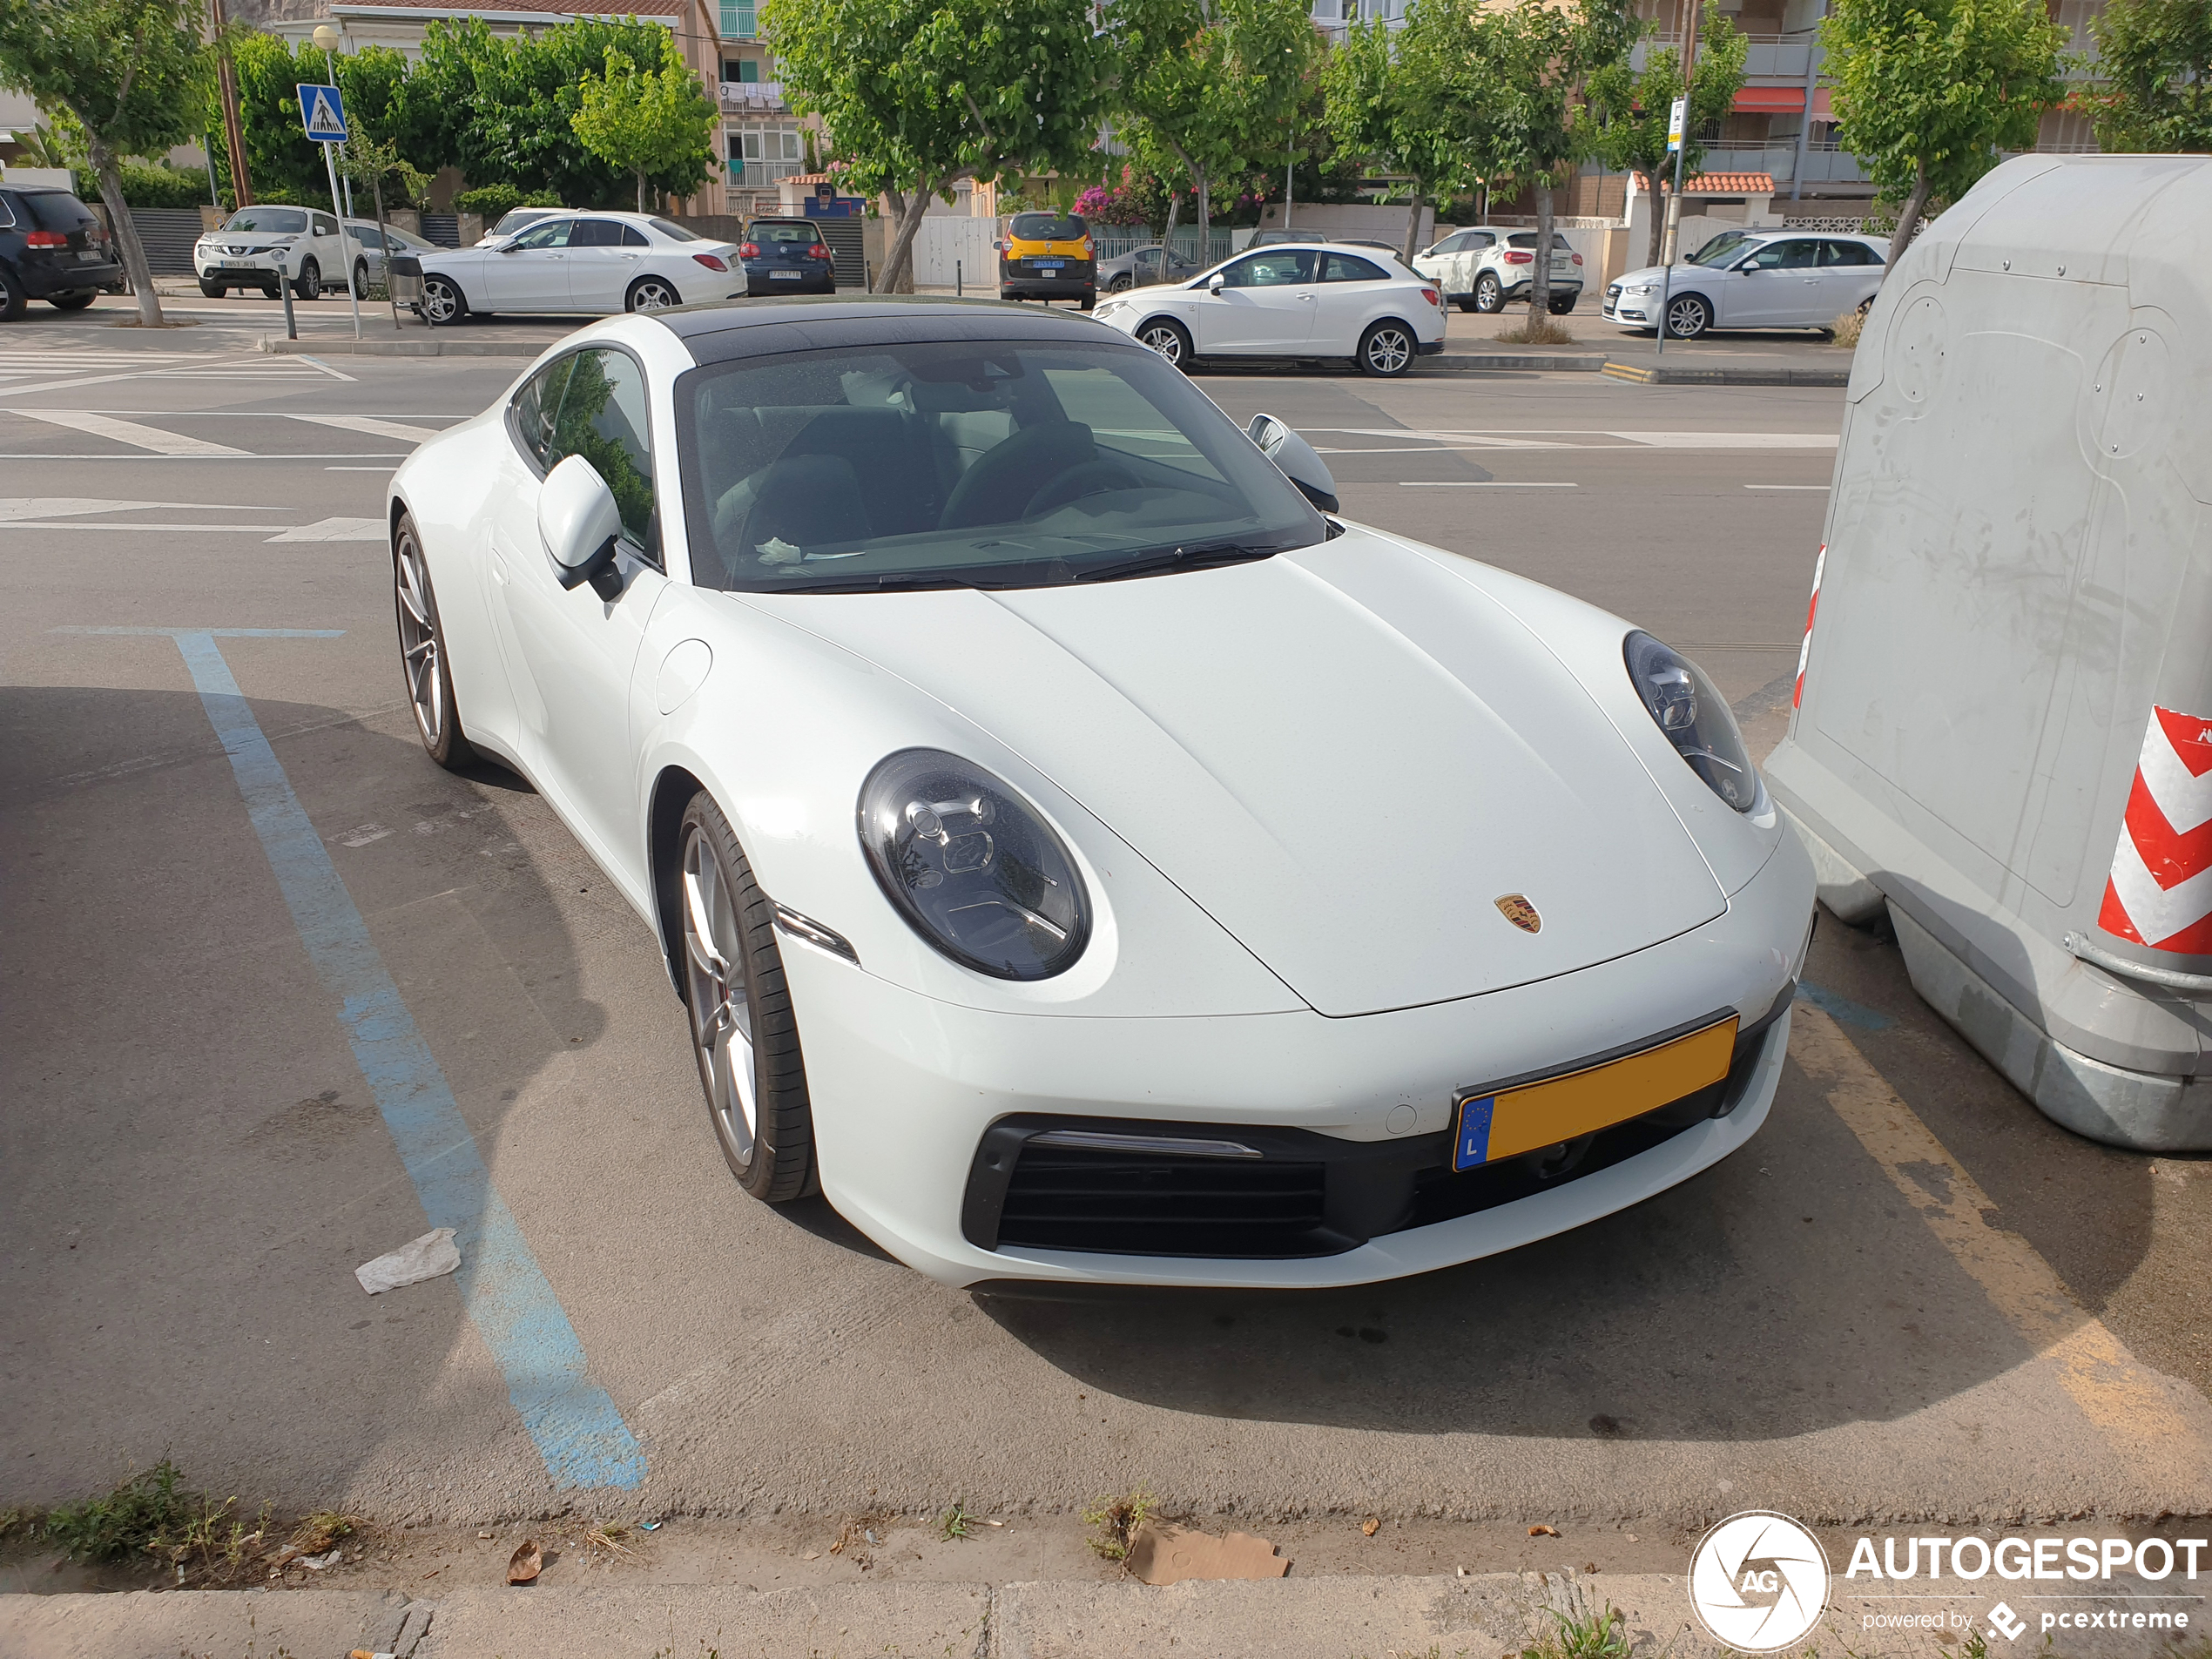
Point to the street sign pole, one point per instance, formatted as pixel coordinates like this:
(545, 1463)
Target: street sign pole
(323, 113)
(1679, 138)
(330, 161)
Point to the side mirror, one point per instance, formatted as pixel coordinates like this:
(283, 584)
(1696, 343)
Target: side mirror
(1217, 284)
(1295, 456)
(578, 522)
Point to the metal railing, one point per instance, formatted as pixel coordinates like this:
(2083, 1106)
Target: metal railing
(739, 21)
(752, 94)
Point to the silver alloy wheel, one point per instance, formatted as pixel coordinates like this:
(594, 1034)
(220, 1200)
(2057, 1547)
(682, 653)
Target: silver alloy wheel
(1166, 339)
(360, 278)
(309, 286)
(1489, 296)
(419, 638)
(1389, 349)
(1687, 317)
(652, 294)
(440, 300)
(721, 1007)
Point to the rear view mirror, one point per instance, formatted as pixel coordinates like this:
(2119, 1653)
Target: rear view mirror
(579, 522)
(1295, 456)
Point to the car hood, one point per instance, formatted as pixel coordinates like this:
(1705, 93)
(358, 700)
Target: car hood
(1682, 273)
(1346, 756)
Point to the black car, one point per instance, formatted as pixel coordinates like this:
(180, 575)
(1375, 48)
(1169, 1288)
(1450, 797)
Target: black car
(51, 249)
(786, 256)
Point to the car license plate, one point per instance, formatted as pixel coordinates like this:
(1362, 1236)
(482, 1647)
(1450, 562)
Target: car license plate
(786, 276)
(1047, 265)
(238, 265)
(91, 253)
(1503, 1122)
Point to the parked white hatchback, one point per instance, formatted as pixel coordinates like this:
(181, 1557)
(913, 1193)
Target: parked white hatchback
(598, 263)
(1483, 267)
(1753, 279)
(258, 247)
(1302, 300)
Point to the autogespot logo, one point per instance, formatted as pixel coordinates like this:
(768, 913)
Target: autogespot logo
(1759, 1581)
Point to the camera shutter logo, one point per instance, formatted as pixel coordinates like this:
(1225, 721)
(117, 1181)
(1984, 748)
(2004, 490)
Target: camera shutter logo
(1759, 1581)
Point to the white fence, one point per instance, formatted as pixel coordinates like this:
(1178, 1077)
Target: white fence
(946, 238)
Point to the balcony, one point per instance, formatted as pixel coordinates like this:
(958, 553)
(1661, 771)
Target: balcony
(738, 97)
(1769, 57)
(739, 22)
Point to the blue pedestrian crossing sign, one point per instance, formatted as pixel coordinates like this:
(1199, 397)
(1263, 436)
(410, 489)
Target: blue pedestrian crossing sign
(324, 111)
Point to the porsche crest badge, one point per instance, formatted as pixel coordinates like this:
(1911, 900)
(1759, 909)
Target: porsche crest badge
(1517, 910)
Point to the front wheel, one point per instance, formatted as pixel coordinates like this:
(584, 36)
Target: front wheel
(1562, 303)
(1464, 301)
(442, 301)
(76, 301)
(215, 290)
(743, 1035)
(1688, 316)
(651, 293)
(1387, 349)
(1488, 295)
(423, 652)
(309, 286)
(1168, 339)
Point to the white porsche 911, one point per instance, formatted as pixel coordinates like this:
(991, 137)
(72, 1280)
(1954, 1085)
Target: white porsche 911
(1083, 856)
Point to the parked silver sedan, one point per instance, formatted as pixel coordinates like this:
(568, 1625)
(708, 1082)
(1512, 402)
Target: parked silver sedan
(1752, 280)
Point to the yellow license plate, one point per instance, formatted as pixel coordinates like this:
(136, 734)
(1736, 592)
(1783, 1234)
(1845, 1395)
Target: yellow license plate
(1505, 1123)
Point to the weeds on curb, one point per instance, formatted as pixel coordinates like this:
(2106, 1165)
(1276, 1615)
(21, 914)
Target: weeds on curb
(319, 1531)
(1845, 330)
(956, 1523)
(1583, 1634)
(1114, 1522)
(142, 1514)
(1537, 331)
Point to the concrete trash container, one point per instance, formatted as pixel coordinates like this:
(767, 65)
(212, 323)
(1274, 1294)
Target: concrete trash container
(2003, 729)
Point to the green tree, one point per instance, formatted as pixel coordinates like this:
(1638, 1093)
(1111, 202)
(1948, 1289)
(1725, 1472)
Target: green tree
(1212, 83)
(1390, 100)
(2154, 69)
(131, 72)
(1631, 109)
(284, 163)
(1929, 92)
(654, 122)
(919, 95)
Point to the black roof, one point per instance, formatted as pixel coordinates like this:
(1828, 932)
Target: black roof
(732, 329)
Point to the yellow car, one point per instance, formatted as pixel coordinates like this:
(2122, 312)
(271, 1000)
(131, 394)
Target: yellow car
(1048, 256)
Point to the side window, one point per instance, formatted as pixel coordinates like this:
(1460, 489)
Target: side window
(553, 233)
(1349, 267)
(603, 419)
(596, 232)
(1482, 239)
(326, 226)
(1271, 270)
(536, 405)
(632, 237)
(8, 219)
(1844, 254)
(1785, 256)
(368, 236)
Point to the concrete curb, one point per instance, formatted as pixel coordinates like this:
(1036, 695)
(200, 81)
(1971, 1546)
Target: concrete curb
(1289, 1618)
(1475, 362)
(1668, 374)
(404, 346)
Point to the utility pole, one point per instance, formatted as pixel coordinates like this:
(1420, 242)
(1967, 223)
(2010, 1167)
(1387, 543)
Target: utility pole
(1674, 197)
(233, 129)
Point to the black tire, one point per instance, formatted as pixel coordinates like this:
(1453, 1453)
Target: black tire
(1388, 349)
(1170, 338)
(308, 285)
(651, 293)
(1089, 300)
(443, 304)
(423, 668)
(271, 293)
(1561, 304)
(12, 303)
(76, 301)
(733, 986)
(215, 290)
(1489, 296)
(360, 278)
(1688, 316)
(1464, 301)
(1121, 284)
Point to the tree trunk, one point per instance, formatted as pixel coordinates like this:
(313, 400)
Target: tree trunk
(1908, 218)
(1414, 226)
(1658, 219)
(641, 190)
(898, 259)
(1540, 284)
(1167, 241)
(126, 233)
(1205, 242)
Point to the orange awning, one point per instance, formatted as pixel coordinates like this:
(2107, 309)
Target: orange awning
(1771, 100)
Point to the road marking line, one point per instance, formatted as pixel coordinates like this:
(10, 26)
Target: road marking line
(1478, 483)
(576, 1427)
(14, 507)
(360, 468)
(2136, 1409)
(336, 530)
(1785, 485)
(370, 425)
(226, 529)
(1730, 440)
(144, 437)
(235, 455)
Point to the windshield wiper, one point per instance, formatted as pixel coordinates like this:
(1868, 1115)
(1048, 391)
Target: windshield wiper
(885, 583)
(1178, 558)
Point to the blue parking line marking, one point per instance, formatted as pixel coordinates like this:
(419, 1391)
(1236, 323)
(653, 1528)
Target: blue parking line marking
(576, 1427)
(1843, 1008)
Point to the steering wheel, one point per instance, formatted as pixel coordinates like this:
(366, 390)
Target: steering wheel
(1089, 478)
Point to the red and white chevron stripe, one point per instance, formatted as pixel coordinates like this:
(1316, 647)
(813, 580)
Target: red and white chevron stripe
(2160, 890)
(1812, 608)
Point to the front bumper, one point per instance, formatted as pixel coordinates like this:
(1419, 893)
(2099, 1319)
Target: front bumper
(248, 272)
(1622, 307)
(907, 1091)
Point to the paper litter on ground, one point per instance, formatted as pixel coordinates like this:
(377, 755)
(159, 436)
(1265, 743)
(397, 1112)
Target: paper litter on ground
(427, 1257)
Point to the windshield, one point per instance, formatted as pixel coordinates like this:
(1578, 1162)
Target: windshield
(968, 463)
(782, 230)
(515, 218)
(270, 221)
(1047, 227)
(1719, 248)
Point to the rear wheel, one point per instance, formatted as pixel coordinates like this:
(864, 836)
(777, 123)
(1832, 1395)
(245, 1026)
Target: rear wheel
(442, 301)
(743, 1035)
(1387, 349)
(1167, 338)
(1089, 300)
(76, 301)
(1488, 295)
(651, 293)
(12, 303)
(1688, 316)
(1121, 284)
(423, 652)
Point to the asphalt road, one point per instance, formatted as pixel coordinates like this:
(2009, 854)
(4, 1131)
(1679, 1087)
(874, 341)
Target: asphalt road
(1911, 1297)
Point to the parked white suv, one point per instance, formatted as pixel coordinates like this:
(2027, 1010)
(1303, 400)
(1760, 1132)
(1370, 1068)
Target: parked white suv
(1483, 267)
(258, 242)
(1753, 279)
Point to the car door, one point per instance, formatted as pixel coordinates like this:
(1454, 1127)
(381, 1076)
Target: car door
(1778, 285)
(327, 247)
(601, 263)
(530, 274)
(1850, 272)
(1265, 305)
(574, 653)
(1346, 302)
(1145, 268)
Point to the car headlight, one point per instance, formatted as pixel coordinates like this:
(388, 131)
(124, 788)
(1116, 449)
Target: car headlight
(1695, 718)
(972, 867)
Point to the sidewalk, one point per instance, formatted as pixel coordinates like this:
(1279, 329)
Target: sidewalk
(1291, 1618)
